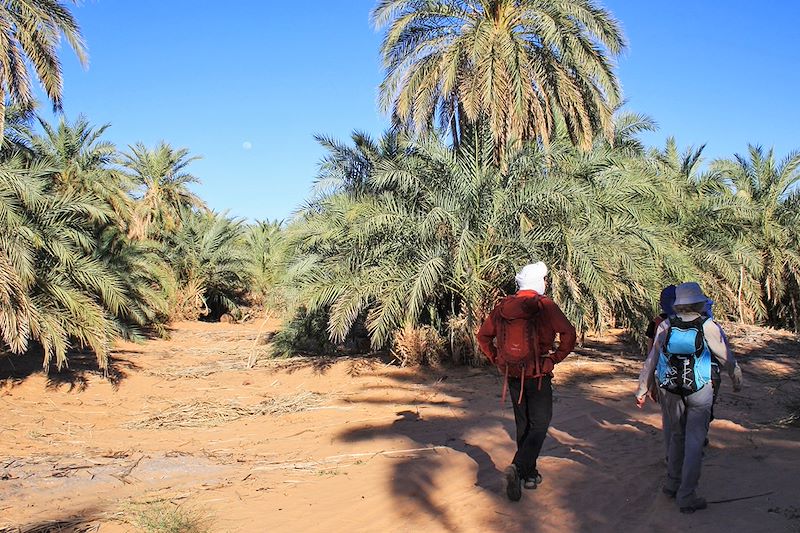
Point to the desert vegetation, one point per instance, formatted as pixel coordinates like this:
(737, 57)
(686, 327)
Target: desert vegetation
(165, 366)
(508, 146)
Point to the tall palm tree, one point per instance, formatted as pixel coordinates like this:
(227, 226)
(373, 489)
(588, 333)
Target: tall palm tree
(520, 65)
(162, 180)
(85, 164)
(61, 292)
(30, 32)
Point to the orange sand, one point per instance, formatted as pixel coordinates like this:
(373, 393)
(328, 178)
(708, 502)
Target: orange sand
(386, 449)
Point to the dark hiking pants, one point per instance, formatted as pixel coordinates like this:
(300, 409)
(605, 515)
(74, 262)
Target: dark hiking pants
(532, 415)
(716, 382)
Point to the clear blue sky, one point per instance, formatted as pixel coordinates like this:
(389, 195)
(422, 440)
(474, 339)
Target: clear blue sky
(219, 78)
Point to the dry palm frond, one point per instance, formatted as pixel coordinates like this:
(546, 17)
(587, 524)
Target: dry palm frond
(460, 339)
(418, 346)
(189, 302)
(207, 413)
(200, 371)
(73, 525)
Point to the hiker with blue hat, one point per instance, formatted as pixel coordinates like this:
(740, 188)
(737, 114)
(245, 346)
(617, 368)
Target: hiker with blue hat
(680, 362)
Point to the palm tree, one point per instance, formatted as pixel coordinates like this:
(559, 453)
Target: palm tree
(519, 65)
(268, 253)
(160, 174)
(85, 162)
(768, 187)
(433, 235)
(18, 132)
(17, 259)
(208, 255)
(61, 293)
(710, 226)
(30, 31)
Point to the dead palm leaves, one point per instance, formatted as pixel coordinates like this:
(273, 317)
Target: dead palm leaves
(208, 413)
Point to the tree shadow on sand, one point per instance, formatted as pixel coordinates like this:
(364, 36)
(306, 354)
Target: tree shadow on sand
(15, 369)
(414, 479)
(85, 521)
(597, 439)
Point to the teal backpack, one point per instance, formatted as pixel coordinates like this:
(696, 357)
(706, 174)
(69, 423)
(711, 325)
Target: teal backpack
(684, 364)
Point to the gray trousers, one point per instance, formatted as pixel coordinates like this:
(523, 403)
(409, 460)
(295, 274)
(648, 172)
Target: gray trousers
(716, 383)
(687, 419)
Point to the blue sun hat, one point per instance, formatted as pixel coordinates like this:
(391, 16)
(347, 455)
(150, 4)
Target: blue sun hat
(689, 293)
(667, 299)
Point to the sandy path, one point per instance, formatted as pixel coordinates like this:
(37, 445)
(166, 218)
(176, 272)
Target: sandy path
(385, 449)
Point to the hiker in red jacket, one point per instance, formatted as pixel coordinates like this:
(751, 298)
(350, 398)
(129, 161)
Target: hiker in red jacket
(518, 337)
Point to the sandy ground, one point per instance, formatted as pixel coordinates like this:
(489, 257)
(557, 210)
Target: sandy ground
(379, 448)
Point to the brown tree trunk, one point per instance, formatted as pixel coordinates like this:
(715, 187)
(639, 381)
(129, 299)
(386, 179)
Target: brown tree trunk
(741, 288)
(2, 118)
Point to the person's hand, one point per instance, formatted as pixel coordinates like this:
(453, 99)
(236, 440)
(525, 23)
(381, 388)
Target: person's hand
(737, 378)
(547, 365)
(640, 400)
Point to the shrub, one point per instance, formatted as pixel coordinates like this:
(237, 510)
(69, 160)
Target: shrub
(415, 346)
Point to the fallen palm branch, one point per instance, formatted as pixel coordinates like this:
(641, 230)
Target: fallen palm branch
(207, 413)
(74, 525)
(740, 498)
(792, 419)
(251, 361)
(195, 372)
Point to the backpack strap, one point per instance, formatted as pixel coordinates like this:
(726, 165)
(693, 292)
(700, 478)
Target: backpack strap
(505, 387)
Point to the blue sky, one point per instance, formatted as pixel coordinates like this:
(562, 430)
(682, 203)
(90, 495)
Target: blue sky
(246, 85)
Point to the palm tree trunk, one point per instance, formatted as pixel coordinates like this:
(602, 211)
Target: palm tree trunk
(454, 128)
(2, 118)
(769, 292)
(741, 288)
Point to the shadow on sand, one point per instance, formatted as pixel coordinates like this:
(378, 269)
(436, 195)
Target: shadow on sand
(597, 439)
(15, 369)
(85, 521)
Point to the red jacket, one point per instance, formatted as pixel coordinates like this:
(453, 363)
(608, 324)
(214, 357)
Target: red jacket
(550, 321)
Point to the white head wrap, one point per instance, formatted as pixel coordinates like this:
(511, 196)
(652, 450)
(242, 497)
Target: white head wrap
(531, 277)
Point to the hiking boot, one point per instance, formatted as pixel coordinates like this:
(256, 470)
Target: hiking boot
(532, 482)
(695, 504)
(669, 492)
(513, 490)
